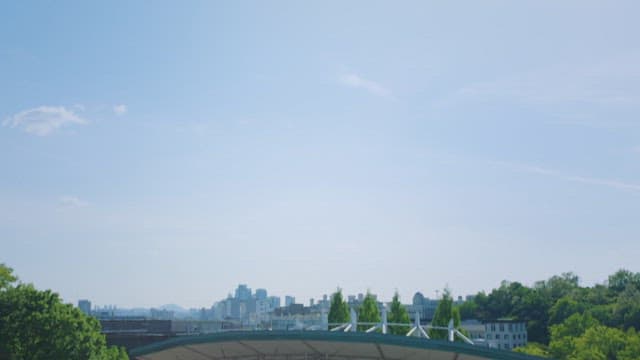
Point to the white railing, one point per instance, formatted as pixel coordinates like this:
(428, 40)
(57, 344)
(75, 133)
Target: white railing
(415, 330)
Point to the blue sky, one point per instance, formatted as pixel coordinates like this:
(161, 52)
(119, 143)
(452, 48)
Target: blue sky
(162, 153)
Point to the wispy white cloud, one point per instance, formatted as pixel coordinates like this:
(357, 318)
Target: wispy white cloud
(611, 183)
(44, 120)
(355, 81)
(67, 202)
(120, 109)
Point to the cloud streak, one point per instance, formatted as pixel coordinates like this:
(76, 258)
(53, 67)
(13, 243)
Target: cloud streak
(71, 202)
(357, 82)
(610, 183)
(120, 109)
(44, 120)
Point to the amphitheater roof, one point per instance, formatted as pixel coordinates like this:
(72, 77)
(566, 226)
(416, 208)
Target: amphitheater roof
(315, 345)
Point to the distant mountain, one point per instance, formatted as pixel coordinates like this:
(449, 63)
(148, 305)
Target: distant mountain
(173, 307)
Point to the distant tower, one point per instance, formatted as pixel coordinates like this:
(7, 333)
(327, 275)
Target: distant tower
(274, 301)
(243, 292)
(261, 294)
(85, 306)
(288, 300)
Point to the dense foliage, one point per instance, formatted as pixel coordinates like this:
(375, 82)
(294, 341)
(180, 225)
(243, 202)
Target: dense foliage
(37, 325)
(339, 310)
(568, 321)
(397, 314)
(368, 312)
(445, 312)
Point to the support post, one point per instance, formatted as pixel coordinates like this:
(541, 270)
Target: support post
(354, 321)
(384, 319)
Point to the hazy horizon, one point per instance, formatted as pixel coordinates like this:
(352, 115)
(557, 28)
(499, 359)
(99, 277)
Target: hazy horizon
(156, 154)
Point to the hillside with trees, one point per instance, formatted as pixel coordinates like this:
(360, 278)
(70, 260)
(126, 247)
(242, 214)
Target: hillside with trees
(566, 320)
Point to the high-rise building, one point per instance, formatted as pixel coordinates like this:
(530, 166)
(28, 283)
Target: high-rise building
(261, 294)
(243, 293)
(85, 306)
(288, 300)
(275, 302)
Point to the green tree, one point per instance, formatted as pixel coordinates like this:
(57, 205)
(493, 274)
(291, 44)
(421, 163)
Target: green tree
(564, 308)
(368, 311)
(397, 314)
(599, 342)
(6, 276)
(563, 336)
(36, 325)
(621, 278)
(339, 310)
(533, 348)
(626, 310)
(442, 316)
(468, 310)
(631, 350)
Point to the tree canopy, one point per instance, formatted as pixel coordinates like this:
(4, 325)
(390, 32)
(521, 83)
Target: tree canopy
(445, 312)
(568, 321)
(37, 325)
(6, 276)
(339, 310)
(397, 314)
(368, 311)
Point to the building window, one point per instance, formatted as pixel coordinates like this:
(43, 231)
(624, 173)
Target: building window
(493, 327)
(510, 327)
(514, 336)
(506, 336)
(501, 327)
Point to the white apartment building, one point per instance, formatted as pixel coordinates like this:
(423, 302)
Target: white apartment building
(505, 334)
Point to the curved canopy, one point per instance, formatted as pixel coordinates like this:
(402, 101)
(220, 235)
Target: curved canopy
(315, 345)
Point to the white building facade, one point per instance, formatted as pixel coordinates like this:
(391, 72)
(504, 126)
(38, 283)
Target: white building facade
(505, 334)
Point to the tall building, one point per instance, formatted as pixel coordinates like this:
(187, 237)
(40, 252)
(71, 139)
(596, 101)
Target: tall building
(243, 293)
(85, 306)
(275, 302)
(288, 300)
(261, 294)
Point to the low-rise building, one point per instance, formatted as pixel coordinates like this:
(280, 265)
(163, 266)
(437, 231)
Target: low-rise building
(505, 333)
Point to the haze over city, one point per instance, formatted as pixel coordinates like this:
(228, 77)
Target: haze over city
(156, 153)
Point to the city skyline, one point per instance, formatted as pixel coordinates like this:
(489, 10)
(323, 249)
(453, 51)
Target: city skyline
(282, 297)
(163, 153)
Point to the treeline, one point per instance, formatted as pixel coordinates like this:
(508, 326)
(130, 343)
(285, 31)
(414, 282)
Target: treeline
(566, 320)
(368, 312)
